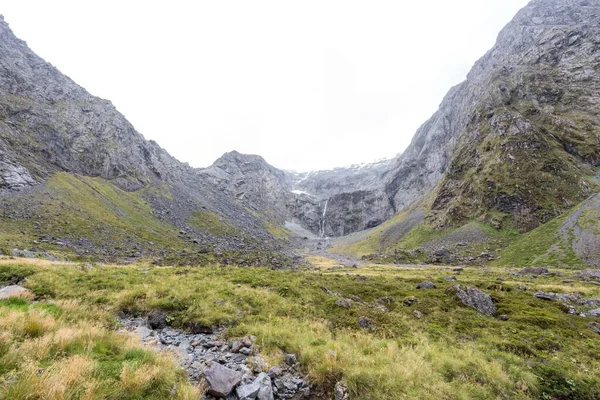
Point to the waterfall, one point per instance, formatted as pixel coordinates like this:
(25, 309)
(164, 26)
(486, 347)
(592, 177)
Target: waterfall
(322, 223)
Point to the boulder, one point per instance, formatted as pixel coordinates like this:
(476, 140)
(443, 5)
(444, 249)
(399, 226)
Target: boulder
(14, 291)
(221, 380)
(589, 274)
(474, 298)
(157, 320)
(563, 297)
(426, 285)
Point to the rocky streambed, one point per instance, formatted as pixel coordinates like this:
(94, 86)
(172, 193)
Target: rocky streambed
(233, 370)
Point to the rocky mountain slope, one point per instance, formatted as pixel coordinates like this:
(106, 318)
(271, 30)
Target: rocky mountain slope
(76, 177)
(514, 146)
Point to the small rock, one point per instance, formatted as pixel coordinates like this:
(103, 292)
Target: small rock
(346, 303)
(386, 301)
(569, 309)
(245, 351)
(503, 317)
(365, 323)
(595, 327)
(417, 314)
(426, 285)
(409, 301)
(266, 387)
(291, 359)
(275, 372)
(236, 346)
(589, 274)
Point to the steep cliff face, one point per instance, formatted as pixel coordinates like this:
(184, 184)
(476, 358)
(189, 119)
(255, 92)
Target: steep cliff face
(341, 201)
(528, 151)
(514, 143)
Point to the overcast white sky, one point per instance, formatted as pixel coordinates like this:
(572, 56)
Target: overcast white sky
(310, 84)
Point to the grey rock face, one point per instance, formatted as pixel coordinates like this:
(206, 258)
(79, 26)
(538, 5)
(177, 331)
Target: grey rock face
(474, 298)
(541, 74)
(581, 225)
(14, 176)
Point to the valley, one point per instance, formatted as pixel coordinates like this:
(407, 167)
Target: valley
(466, 267)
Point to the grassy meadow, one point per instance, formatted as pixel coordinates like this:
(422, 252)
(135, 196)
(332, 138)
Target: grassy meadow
(65, 343)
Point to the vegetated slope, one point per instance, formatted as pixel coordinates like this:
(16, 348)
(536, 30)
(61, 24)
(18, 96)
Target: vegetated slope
(514, 146)
(55, 137)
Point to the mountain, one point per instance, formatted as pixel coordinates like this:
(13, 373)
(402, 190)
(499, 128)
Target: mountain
(77, 178)
(512, 156)
(512, 147)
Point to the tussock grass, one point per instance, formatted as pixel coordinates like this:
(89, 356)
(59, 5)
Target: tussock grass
(452, 352)
(65, 351)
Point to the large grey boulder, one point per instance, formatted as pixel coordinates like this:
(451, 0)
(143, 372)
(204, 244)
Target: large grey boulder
(474, 298)
(221, 380)
(14, 291)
